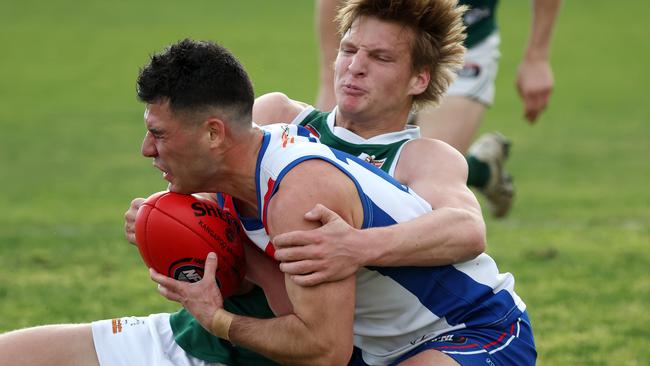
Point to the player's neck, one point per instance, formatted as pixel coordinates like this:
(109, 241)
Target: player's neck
(368, 126)
(237, 175)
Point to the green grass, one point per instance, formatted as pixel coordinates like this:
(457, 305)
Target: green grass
(578, 239)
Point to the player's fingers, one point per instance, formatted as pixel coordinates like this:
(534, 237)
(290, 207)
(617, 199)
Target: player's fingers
(322, 214)
(137, 202)
(210, 267)
(301, 267)
(294, 253)
(307, 280)
(130, 237)
(163, 280)
(292, 239)
(536, 105)
(129, 219)
(168, 294)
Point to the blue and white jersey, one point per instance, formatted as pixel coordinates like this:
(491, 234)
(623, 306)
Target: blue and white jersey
(397, 308)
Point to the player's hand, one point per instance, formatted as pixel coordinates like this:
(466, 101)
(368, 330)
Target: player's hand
(534, 84)
(328, 253)
(202, 299)
(129, 219)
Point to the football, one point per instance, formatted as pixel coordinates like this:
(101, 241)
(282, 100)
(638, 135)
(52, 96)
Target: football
(175, 232)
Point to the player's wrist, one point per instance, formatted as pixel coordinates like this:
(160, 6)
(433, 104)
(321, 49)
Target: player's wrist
(374, 245)
(220, 324)
(536, 54)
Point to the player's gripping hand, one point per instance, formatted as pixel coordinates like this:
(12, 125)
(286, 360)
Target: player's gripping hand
(129, 219)
(202, 299)
(329, 253)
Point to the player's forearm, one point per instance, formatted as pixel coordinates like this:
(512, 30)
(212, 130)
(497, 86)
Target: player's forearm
(442, 237)
(286, 340)
(544, 15)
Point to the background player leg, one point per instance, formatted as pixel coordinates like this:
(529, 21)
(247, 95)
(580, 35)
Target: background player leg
(455, 121)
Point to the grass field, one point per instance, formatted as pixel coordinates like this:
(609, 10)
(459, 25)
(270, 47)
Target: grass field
(578, 240)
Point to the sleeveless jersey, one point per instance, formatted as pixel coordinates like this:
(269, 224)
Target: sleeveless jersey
(480, 20)
(397, 308)
(383, 151)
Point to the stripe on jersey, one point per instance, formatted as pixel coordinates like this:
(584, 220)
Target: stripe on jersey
(469, 302)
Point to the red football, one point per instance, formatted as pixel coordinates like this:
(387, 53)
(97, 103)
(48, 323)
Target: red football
(175, 232)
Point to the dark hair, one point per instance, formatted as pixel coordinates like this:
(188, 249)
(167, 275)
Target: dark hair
(195, 77)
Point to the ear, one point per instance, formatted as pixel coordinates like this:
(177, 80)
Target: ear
(216, 130)
(419, 82)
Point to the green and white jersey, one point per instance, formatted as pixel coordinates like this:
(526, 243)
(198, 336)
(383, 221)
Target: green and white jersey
(383, 151)
(479, 19)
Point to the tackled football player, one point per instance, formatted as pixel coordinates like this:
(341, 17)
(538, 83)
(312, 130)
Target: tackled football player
(382, 315)
(381, 58)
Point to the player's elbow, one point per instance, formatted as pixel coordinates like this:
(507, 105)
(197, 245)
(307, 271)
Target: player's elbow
(332, 353)
(331, 347)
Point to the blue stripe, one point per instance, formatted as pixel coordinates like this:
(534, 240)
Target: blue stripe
(364, 199)
(448, 292)
(265, 145)
(221, 200)
(251, 223)
(374, 216)
(302, 131)
(343, 156)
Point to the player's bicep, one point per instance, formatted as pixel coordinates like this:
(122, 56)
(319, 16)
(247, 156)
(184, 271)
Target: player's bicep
(327, 309)
(307, 184)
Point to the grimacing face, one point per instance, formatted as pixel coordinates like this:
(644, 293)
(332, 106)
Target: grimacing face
(373, 71)
(178, 150)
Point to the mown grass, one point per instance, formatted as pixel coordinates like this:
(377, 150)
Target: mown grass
(577, 240)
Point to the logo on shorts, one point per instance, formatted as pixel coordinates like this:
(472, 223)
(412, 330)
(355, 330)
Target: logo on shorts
(116, 324)
(450, 338)
(470, 71)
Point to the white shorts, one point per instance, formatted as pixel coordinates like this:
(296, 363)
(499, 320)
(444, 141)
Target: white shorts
(136, 341)
(476, 79)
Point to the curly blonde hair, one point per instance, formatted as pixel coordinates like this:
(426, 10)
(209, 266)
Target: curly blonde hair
(439, 34)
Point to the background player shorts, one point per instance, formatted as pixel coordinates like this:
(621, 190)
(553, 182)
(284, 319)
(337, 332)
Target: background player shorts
(476, 79)
(140, 341)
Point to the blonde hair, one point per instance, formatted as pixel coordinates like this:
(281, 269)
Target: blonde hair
(439, 34)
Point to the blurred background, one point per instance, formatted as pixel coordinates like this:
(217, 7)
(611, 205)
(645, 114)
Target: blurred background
(577, 240)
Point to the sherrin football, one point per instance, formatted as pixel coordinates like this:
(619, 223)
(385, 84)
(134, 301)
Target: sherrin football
(175, 232)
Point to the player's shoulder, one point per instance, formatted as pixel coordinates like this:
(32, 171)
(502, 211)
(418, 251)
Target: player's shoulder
(426, 149)
(276, 107)
(431, 158)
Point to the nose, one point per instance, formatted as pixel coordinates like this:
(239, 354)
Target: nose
(358, 64)
(148, 148)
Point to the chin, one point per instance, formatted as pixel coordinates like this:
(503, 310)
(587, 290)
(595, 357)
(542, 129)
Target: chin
(349, 105)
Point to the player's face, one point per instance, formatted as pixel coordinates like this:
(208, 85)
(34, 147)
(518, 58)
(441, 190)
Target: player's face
(373, 72)
(177, 149)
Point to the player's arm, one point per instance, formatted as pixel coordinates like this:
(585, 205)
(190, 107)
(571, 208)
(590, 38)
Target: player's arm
(276, 108)
(535, 77)
(453, 232)
(319, 331)
(321, 327)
